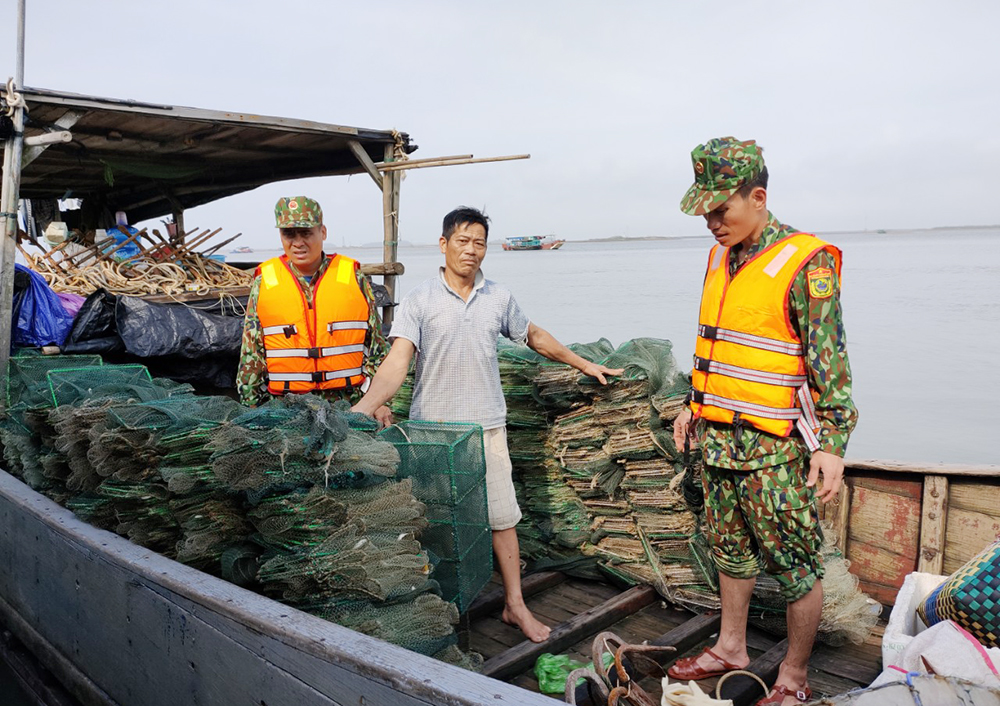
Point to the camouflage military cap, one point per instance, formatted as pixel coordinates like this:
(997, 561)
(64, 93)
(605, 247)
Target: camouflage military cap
(297, 212)
(721, 167)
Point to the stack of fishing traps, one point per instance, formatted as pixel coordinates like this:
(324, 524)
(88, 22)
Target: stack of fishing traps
(295, 499)
(599, 481)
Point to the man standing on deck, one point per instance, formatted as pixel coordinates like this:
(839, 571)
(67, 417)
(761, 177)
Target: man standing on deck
(452, 323)
(770, 405)
(311, 323)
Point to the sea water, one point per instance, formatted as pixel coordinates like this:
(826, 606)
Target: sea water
(921, 311)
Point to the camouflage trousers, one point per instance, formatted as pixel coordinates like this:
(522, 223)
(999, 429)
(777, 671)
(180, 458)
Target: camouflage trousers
(764, 519)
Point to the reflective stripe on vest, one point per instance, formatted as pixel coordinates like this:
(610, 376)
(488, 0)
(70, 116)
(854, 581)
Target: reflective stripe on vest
(708, 366)
(319, 346)
(314, 377)
(346, 326)
(274, 330)
(316, 352)
(748, 357)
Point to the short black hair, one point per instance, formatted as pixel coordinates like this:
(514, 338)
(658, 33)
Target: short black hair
(461, 216)
(759, 180)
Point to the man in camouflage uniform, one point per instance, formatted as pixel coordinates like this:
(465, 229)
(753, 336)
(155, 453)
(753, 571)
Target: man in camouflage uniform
(759, 487)
(302, 235)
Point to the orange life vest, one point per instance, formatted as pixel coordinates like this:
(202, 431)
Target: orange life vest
(749, 361)
(321, 347)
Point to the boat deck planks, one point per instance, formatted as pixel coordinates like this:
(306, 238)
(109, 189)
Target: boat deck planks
(833, 670)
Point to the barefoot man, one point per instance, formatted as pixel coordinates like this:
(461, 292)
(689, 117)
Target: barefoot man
(452, 322)
(771, 406)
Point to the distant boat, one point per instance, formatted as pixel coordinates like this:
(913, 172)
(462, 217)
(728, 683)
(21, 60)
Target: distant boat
(242, 248)
(532, 242)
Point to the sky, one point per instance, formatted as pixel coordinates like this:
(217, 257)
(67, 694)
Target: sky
(872, 114)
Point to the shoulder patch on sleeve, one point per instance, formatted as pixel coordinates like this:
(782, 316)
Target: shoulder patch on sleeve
(820, 282)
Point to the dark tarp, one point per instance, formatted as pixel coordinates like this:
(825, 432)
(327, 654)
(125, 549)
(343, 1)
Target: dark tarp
(185, 343)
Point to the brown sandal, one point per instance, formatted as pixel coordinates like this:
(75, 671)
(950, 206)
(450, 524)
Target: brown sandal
(688, 669)
(780, 691)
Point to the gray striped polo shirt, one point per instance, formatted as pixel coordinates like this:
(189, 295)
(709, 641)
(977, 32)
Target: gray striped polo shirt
(457, 376)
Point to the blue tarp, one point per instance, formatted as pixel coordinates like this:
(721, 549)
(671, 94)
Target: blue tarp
(39, 317)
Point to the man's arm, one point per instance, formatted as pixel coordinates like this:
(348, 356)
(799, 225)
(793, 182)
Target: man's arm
(543, 342)
(389, 377)
(819, 321)
(251, 376)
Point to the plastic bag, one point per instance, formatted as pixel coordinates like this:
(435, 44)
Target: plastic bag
(552, 670)
(39, 317)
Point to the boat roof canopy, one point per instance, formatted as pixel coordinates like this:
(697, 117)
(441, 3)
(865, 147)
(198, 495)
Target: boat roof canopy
(151, 160)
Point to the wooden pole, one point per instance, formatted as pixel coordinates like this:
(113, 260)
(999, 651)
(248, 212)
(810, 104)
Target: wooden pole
(178, 225)
(223, 243)
(449, 158)
(9, 197)
(401, 166)
(390, 227)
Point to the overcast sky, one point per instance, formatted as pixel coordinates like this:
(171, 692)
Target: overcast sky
(871, 114)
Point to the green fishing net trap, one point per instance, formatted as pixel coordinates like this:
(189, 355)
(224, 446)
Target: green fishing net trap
(446, 465)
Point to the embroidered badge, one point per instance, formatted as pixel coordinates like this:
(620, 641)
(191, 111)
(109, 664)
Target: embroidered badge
(820, 282)
(293, 205)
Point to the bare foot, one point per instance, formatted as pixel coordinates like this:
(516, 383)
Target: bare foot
(533, 629)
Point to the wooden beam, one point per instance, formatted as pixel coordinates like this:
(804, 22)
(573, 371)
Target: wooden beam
(390, 226)
(63, 123)
(933, 522)
(366, 162)
(493, 600)
(401, 166)
(449, 158)
(373, 268)
(745, 691)
(936, 469)
(383, 268)
(192, 297)
(518, 658)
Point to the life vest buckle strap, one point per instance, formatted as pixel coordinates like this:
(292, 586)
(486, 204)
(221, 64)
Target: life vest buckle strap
(702, 364)
(312, 353)
(290, 330)
(317, 376)
(709, 332)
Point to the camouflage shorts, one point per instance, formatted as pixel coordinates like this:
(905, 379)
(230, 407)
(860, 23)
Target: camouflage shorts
(764, 519)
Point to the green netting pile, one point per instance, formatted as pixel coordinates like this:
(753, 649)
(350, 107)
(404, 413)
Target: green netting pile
(296, 499)
(334, 532)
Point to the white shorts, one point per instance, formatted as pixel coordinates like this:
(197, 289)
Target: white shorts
(501, 502)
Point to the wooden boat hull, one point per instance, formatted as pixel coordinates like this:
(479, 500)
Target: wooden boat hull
(119, 624)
